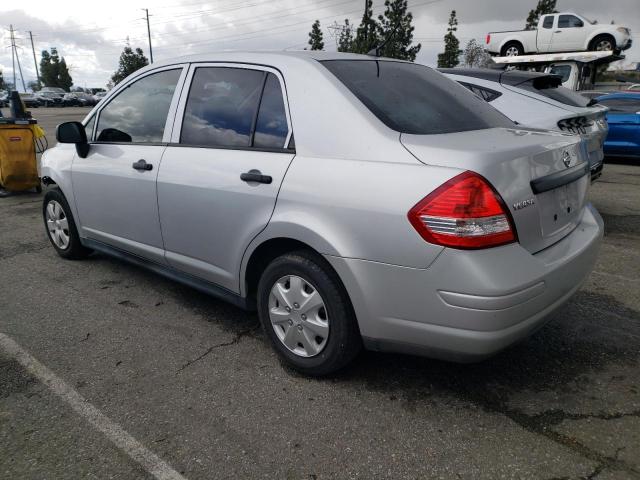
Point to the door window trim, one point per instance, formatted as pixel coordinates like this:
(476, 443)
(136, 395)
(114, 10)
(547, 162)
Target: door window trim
(179, 116)
(166, 135)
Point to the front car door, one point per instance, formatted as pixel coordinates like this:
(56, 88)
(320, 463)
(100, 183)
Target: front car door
(115, 185)
(624, 126)
(221, 173)
(569, 34)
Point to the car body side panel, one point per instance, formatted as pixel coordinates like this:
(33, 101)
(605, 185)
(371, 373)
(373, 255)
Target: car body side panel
(355, 209)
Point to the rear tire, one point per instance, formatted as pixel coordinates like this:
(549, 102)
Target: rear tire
(603, 43)
(60, 226)
(512, 49)
(316, 340)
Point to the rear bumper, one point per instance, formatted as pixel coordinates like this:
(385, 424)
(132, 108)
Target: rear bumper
(468, 305)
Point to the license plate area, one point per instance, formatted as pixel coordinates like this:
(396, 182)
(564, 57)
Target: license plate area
(560, 208)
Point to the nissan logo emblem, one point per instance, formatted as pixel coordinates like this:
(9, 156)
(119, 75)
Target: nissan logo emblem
(566, 159)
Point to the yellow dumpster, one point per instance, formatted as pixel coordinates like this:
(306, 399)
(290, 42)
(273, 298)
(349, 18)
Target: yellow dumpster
(18, 168)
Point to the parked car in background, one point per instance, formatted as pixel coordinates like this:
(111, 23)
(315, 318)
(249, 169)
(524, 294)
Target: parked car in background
(99, 96)
(429, 223)
(85, 99)
(539, 100)
(30, 100)
(624, 124)
(635, 86)
(560, 32)
(72, 100)
(51, 96)
(591, 94)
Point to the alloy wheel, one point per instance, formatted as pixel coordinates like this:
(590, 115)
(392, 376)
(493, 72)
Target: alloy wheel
(298, 316)
(58, 225)
(512, 52)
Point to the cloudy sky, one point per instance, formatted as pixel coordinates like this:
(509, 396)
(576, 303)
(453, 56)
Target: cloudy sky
(91, 35)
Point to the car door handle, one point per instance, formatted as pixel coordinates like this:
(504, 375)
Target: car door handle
(142, 165)
(255, 176)
(558, 31)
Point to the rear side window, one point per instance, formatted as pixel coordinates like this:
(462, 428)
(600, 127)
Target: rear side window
(548, 21)
(412, 98)
(139, 112)
(221, 107)
(569, 21)
(621, 105)
(271, 124)
(486, 94)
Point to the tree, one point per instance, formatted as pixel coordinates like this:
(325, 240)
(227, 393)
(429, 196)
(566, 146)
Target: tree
(395, 28)
(449, 58)
(3, 86)
(345, 37)
(315, 37)
(475, 55)
(367, 33)
(130, 61)
(543, 8)
(54, 71)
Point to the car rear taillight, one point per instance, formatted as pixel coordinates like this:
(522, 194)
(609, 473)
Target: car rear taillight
(488, 38)
(465, 212)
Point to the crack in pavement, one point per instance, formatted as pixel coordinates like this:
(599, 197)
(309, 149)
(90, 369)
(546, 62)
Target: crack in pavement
(233, 341)
(539, 424)
(25, 252)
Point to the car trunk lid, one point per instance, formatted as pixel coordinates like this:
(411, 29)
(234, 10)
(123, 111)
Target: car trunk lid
(542, 176)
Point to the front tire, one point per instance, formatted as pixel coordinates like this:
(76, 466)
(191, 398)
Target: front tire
(306, 314)
(61, 228)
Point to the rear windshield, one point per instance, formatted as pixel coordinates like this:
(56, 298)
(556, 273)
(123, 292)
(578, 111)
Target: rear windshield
(557, 93)
(411, 98)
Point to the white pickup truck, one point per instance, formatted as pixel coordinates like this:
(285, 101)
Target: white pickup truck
(560, 32)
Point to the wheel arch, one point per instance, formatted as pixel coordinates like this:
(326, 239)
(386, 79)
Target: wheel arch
(509, 41)
(600, 34)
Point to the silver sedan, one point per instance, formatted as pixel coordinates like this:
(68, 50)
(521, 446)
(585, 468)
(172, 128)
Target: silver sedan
(351, 200)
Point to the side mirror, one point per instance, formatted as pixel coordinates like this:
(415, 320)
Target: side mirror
(73, 132)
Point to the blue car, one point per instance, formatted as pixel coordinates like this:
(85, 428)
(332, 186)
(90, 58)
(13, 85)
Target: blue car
(623, 117)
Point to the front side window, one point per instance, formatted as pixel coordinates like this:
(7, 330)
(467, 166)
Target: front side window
(412, 98)
(569, 21)
(89, 128)
(139, 112)
(548, 21)
(221, 107)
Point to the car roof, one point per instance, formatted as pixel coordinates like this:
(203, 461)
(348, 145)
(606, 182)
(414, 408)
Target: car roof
(269, 57)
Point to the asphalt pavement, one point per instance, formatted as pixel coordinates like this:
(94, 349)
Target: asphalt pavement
(108, 371)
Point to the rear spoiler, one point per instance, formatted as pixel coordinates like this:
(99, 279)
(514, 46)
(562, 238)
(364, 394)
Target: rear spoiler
(539, 82)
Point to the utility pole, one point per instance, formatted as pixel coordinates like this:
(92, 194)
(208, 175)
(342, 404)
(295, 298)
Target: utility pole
(35, 62)
(15, 58)
(149, 35)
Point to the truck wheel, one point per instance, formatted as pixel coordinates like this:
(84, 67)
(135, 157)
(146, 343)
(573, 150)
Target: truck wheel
(603, 43)
(512, 49)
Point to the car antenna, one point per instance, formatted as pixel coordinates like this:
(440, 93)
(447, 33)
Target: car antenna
(377, 50)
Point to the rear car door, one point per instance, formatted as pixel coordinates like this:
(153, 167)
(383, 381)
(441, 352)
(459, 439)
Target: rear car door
(115, 185)
(221, 173)
(624, 126)
(569, 34)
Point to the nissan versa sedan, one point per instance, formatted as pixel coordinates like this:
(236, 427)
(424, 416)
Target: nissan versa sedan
(353, 201)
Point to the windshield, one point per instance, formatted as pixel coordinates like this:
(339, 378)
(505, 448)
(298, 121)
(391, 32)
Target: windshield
(412, 98)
